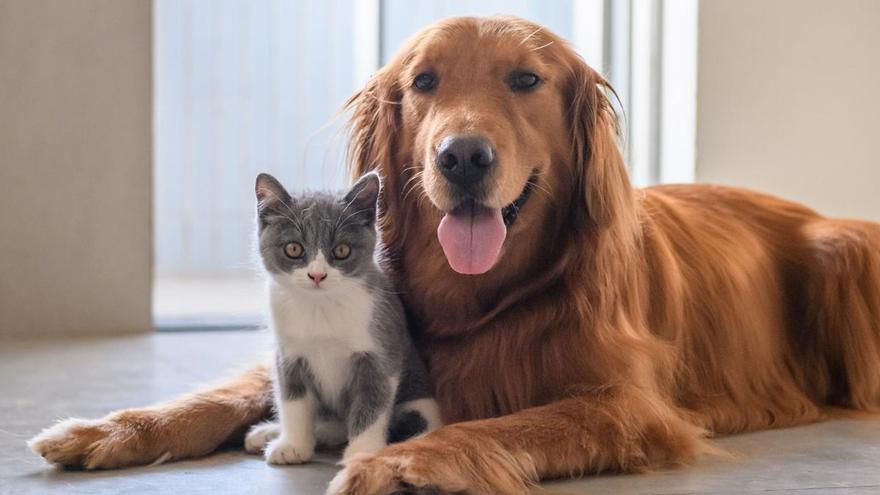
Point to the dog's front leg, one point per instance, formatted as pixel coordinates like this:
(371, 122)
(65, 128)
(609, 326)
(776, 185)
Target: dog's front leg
(618, 430)
(190, 426)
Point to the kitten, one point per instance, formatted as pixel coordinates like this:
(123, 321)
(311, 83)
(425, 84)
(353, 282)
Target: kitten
(346, 368)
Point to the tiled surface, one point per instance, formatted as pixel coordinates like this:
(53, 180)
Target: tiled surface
(44, 380)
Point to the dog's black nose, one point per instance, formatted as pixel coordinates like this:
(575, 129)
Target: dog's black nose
(465, 160)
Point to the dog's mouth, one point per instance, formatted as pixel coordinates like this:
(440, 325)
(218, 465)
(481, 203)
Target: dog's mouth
(510, 212)
(472, 234)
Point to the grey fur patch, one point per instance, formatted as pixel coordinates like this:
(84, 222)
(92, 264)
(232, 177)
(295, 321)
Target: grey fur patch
(319, 222)
(414, 380)
(294, 377)
(368, 393)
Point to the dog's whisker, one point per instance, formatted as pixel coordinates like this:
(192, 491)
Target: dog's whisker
(414, 167)
(545, 189)
(411, 185)
(381, 100)
(423, 195)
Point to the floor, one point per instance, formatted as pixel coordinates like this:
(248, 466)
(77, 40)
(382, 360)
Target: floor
(43, 380)
(214, 301)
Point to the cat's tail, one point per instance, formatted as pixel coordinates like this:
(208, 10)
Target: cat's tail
(414, 418)
(190, 426)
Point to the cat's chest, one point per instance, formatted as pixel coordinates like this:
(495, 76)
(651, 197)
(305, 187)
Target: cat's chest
(344, 316)
(330, 368)
(326, 330)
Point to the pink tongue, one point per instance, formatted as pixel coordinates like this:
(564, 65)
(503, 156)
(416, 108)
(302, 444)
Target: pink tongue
(472, 238)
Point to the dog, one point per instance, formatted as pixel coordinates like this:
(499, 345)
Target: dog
(571, 323)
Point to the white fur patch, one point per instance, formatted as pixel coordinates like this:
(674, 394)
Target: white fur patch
(328, 432)
(260, 435)
(283, 451)
(325, 326)
(296, 443)
(371, 440)
(58, 441)
(162, 459)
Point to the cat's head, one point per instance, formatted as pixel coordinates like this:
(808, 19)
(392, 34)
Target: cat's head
(317, 241)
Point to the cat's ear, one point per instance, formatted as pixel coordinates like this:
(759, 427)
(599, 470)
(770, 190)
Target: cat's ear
(271, 195)
(364, 195)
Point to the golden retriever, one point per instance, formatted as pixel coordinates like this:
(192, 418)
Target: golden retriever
(571, 323)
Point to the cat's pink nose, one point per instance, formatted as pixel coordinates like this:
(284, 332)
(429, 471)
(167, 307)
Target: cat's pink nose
(317, 278)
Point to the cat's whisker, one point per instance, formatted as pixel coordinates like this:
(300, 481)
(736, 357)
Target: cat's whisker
(292, 219)
(344, 222)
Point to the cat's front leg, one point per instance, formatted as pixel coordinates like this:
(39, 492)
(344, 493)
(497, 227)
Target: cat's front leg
(369, 415)
(296, 414)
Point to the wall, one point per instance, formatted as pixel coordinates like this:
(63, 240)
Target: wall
(788, 100)
(75, 161)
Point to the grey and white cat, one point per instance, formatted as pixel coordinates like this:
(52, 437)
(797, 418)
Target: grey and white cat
(346, 367)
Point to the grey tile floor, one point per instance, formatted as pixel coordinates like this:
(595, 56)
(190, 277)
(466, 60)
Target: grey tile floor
(42, 380)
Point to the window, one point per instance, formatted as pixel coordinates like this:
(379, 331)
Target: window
(246, 87)
(240, 88)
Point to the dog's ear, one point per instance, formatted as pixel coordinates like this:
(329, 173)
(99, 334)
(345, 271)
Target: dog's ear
(374, 122)
(374, 126)
(602, 180)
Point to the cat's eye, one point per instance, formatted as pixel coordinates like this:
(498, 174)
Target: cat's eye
(426, 81)
(293, 250)
(523, 81)
(341, 251)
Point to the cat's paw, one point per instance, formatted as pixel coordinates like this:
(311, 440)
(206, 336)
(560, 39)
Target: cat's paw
(284, 451)
(259, 436)
(364, 444)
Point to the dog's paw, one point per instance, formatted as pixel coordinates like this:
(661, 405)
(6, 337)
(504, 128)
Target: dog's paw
(385, 474)
(95, 444)
(68, 442)
(283, 451)
(259, 436)
(364, 475)
(451, 460)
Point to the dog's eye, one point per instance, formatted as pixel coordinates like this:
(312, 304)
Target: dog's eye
(524, 81)
(425, 81)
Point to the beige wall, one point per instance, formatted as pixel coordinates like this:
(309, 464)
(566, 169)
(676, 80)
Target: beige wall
(788, 100)
(75, 161)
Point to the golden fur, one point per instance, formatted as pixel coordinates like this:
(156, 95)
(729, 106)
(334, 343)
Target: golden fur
(619, 327)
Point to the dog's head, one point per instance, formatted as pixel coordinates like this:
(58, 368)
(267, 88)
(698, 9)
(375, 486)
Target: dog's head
(502, 127)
